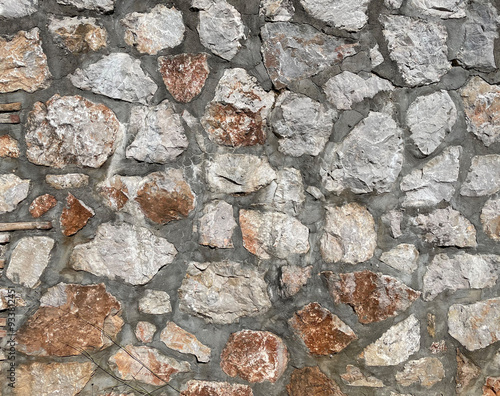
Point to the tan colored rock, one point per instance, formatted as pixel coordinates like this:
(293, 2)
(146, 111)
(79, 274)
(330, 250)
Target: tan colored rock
(75, 215)
(311, 381)
(72, 319)
(78, 35)
(182, 341)
(354, 377)
(144, 331)
(255, 356)
(492, 386)
(293, 278)
(490, 218)
(23, 64)
(216, 226)
(13, 190)
(42, 204)
(155, 302)
(322, 332)
(9, 147)
(66, 181)
(184, 75)
(209, 388)
(467, 373)
(426, 371)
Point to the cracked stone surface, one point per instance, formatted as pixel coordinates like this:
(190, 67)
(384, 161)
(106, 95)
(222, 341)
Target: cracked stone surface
(444, 9)
(354, 377)
(67, 181)
(342, 14)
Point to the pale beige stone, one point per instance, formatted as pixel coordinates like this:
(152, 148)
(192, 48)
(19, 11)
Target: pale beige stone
(182, 341)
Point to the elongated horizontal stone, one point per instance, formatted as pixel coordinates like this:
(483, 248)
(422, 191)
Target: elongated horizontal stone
(94, 5)
(197, 388)
(67, 181)
(343, 14)
(354, 377)
(277, 10)
(17, 9)
(155, 302)
(182, 341)
(427, 372)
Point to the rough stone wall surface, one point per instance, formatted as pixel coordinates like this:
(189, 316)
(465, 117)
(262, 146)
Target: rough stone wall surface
(249, 197)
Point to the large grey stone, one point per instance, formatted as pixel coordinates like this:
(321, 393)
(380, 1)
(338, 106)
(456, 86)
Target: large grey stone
(217, 224)
(17, 9)
(13, 190)
(443, 9)
(343, 14)
(403, 257)
(427, 372)
(483, 177)
(93, 5)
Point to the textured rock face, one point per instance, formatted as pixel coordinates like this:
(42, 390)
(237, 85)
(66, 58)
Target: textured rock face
(184, 75)
(285, 194)
(94, 5)
(223, 292)
(394, 346)
(268, 234)
(13, 190)
(435, 182)
(354, 377)
(78, 35)
(293, 52)
(322, 332)
(182, 341)
(349, 234)
(492, 386)
(52, 379)
(255, 356)
(9, 147)
(346, 89)
(482, 178)
(155, 302)
(129, 362)
(430, 118)
(220, 27)
(71, 319)
(124, 251)
(368, 159)
(467, 373)
(418, 47)
(23, 64)
(490, 218)
(208, 388)
(75, 215)
(302, 125)
(403, 257)
(426, 371)
(374, 297)
(447, 227)
(71, 130)
(29, 259)
(438, 8)
(159, 134)
(342, 14)
(475, 325)
(68, 180)
(144, 331)
(154, 31)
(293, 278)
(17, 9)
(42, 204)
(5, 296)
(276, 10)
(216, 226)
(311, 381)
(118, 76)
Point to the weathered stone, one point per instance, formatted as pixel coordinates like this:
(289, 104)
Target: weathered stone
(349, 234)
(374, 297)
(316, 193)
(490, 218)
(435, 182)
(302, 124)
(124, 251)
(94, 5)
(42, 204)
(376, 57)
(427, 372)
(354, 377)
(403, 257)
(268, 234)
(159, 134)
(155, 302)
(72, 319)
(119, 192)
(75, 215)
(431, 324)
(9, 298)
(393, 220)
(447, 227)
(343, 14)
(312, 382)
(209, 388)
(184, 75)
(482, 109)
(29, 259)
(238, 173)
(393, 5)
(276, 10)
(182, 341)
(255, 356)
(144, 331)
(145, 364)
(418, 47)
(220, 27)
(23, 64)
(216, 226)
(368, 159)
(483, 177)
(443, 9)
(462, 271)
(13, 190)
(71, 130)
(17, 9)
(78, 35)
(475, 325)
(46, 379)
(293, 278)
(492, 386)
(346, 89)
(223, 292)
(438, 347)
(322, 332)
(118, 76)
(66, 181)
(394, 346)
(467, 373)
(293, 52)
(9, 147)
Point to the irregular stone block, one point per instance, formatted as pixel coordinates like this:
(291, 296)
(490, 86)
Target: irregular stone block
(427, 372)
(78, 35)
(182, 341)
(490, 218)
(343, 14)
(276, 10)
(467, 373)
(393, 220)
(155, 302)
(17, 9)
(102, 6)
(483, 177)
(354, 377)
(216, 226)
(492, 386)
(285, 194)
(13, 190)
(312, 382)
(66, 181)
(446, 9)
(144, 331)
(42, 204)
(75, 215)
(9, 147)
(403, 257)
(293, 278)
(197, 388)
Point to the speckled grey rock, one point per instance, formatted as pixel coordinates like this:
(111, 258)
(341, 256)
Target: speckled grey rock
(443, 9)
(483, 177)
(427, 372)
(94, 5)
(343, 14)
(13, 190)
(490, 218)
(376, 56)
(393, 221)
(277, 10)
(403, 257)
(68, 180)
(155, 302)
(216, 225)
(17, 9)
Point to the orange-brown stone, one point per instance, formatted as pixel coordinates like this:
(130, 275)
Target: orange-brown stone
(311, 381)
(75, 215)
(492, 386)
(209, 388)
(42, 205)
(9, 147)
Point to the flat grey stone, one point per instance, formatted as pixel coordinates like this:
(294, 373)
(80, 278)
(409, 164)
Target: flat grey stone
(444, 9)
(13, 190)
(483, 177)
(17, 9)
(343, 14)
(93, 5)
(403, 257)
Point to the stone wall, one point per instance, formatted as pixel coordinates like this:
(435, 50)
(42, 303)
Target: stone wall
(244, 197)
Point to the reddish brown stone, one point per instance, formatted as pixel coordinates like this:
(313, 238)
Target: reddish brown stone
(9, 147)
(184, 75)
(492, 386)
(322, 332)
(467, 373)
(42, 205)
(75, 215)
(116, 194)
(208, 388)
(71, 319)
(255, 356)
(374, 297)
(311, 381)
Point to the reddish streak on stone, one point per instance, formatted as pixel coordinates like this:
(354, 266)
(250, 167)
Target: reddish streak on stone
(311, 381)
(42, 205)
(117, 198)
(250, 232)
(74, 216)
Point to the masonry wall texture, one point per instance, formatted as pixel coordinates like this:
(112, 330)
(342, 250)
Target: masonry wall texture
(250, 197)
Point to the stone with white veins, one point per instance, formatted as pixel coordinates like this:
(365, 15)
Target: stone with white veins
(435, 182)
(155, 302)
(154, 31)
(94, 5)
(483, 177)
(13, 190)
(216, 226)
(396, 345)
(118, 76)
(303, 126)
(17, 9)
(430, 118)
(418, 47)
(346, 89)
(276, 10)
(490, 218)
(220, 27)
(29, 259)
(461, 271)
(124, 251)
(403, 257)
(427, 372)
(443, 9)
(368, 159)
(343, 14)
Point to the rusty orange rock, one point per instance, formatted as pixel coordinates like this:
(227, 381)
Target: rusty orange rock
(492, 386)
(311, 381)
(9, 147)
(75, 215)
(209, 388)
(42, 205)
